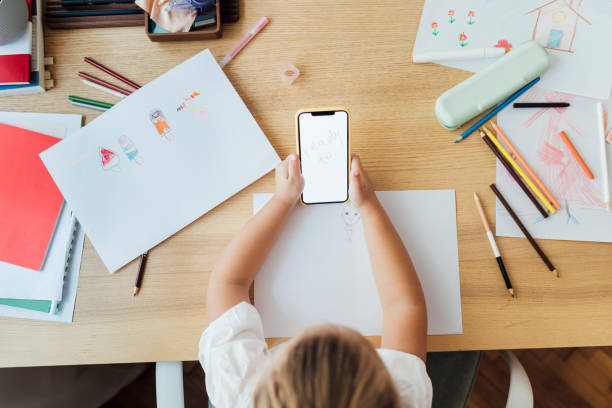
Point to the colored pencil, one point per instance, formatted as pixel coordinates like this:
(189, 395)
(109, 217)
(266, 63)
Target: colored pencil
(526, 166)
(248, 37)
(601, 128)
(515, 176)
(88, 106)
(498, 257)
(111, 73)
(87, 13)
(520, 171)
(495, 110)
(576, 155)
(141, 270)
(91, 102)
(102, 88)
(518, 222)
(541, 105)
(104, 83)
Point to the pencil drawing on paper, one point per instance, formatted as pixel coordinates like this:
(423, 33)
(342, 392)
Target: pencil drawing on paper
(351, 218)
(556, 166)
(556, 24)
(161, 124)
(193, 104)
(129, 149)
(324, 147)
(109, 160)
(434, 27)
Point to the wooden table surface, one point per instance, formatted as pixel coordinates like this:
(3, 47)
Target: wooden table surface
(358, 56)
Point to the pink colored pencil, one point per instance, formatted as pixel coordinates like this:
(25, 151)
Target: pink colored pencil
(252, 32)
(523, 163)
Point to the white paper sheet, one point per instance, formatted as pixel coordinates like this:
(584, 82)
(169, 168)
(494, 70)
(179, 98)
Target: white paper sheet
(160, 159)
(319, 269)
(535, 134)
(580, 65)
(66, 310)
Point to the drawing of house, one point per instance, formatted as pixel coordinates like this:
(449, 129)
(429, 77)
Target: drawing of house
(555, 26)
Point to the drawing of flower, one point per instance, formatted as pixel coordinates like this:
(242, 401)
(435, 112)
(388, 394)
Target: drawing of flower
(434, 26)
(451, 13)
(462, 38)
(471, 17)
(503, 44)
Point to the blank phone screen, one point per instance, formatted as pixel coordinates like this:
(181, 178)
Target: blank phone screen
(323, 144)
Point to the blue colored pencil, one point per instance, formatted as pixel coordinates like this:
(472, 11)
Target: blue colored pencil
(497, 109)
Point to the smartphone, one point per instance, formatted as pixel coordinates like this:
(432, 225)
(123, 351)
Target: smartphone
(323, 143)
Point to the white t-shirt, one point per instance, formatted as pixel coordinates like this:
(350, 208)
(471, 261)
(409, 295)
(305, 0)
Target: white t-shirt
(234, 355)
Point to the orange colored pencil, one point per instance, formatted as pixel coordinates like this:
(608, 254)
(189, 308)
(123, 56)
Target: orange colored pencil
(520, 159)
(576, 155)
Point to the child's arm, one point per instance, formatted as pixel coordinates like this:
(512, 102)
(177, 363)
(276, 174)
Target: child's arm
(399, 289)
(232, 275)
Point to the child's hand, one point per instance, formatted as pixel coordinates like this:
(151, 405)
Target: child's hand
(360, 187)
(289, 180)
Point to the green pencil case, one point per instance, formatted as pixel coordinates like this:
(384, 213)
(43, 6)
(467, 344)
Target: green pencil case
(492, 85)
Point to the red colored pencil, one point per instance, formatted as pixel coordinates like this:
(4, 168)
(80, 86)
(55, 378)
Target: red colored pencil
(111, 73)
(104, 83)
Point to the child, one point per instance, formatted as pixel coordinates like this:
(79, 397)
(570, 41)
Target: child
(326, 366)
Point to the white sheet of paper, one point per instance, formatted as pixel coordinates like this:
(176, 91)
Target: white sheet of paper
(319, 269)
(535, 134)
(70, 288)
(159, 159)
(22, 283)
(580, 66)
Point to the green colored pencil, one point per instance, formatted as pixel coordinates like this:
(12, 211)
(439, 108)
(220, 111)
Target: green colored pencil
(90, 102)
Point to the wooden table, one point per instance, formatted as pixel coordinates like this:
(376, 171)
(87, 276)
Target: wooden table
(358, 56)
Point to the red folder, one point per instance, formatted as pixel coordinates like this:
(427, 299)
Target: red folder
(14, 69)
(30, 201)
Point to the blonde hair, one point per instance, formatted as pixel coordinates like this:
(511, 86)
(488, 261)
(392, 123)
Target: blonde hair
(328, 366)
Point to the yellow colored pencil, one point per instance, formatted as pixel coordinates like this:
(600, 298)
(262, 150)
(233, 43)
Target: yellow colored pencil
(520, 171)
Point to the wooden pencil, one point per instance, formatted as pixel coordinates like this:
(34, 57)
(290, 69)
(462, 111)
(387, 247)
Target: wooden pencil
(100, 82)
(518, 222)
(520, 171)
(141, 270)
(576, 155)
(111, 73)
(515, 176)
(526, 166)
(498, 257)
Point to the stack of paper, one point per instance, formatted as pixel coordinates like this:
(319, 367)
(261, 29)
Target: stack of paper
(46, 292)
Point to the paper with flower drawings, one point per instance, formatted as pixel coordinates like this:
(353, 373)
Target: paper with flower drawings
(160, 159)
(535, 134)
(319, 270)
(576, 34)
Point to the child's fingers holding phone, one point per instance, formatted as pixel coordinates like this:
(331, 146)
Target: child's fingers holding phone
(289, 180)
(360, 187)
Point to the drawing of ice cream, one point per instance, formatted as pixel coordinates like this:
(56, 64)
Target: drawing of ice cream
(129, 149)
(161, 124)
(198, 111)
(109, 160)
(351, 218)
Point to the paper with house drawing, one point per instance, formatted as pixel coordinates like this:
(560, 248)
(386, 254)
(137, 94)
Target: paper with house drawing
(576, 33)
(535, 134)
(160, 159)
(319, 269)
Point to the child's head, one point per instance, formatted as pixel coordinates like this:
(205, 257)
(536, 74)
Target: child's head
(328, 366)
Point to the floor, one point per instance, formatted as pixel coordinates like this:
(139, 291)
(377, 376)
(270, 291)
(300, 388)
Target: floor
(566, 377)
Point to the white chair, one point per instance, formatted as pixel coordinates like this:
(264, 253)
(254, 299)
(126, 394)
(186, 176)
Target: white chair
(169, 382)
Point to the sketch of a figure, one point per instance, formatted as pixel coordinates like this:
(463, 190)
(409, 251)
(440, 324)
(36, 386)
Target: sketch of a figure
(558, 169)
(556, 24)
(161, 124)
(351, 218)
